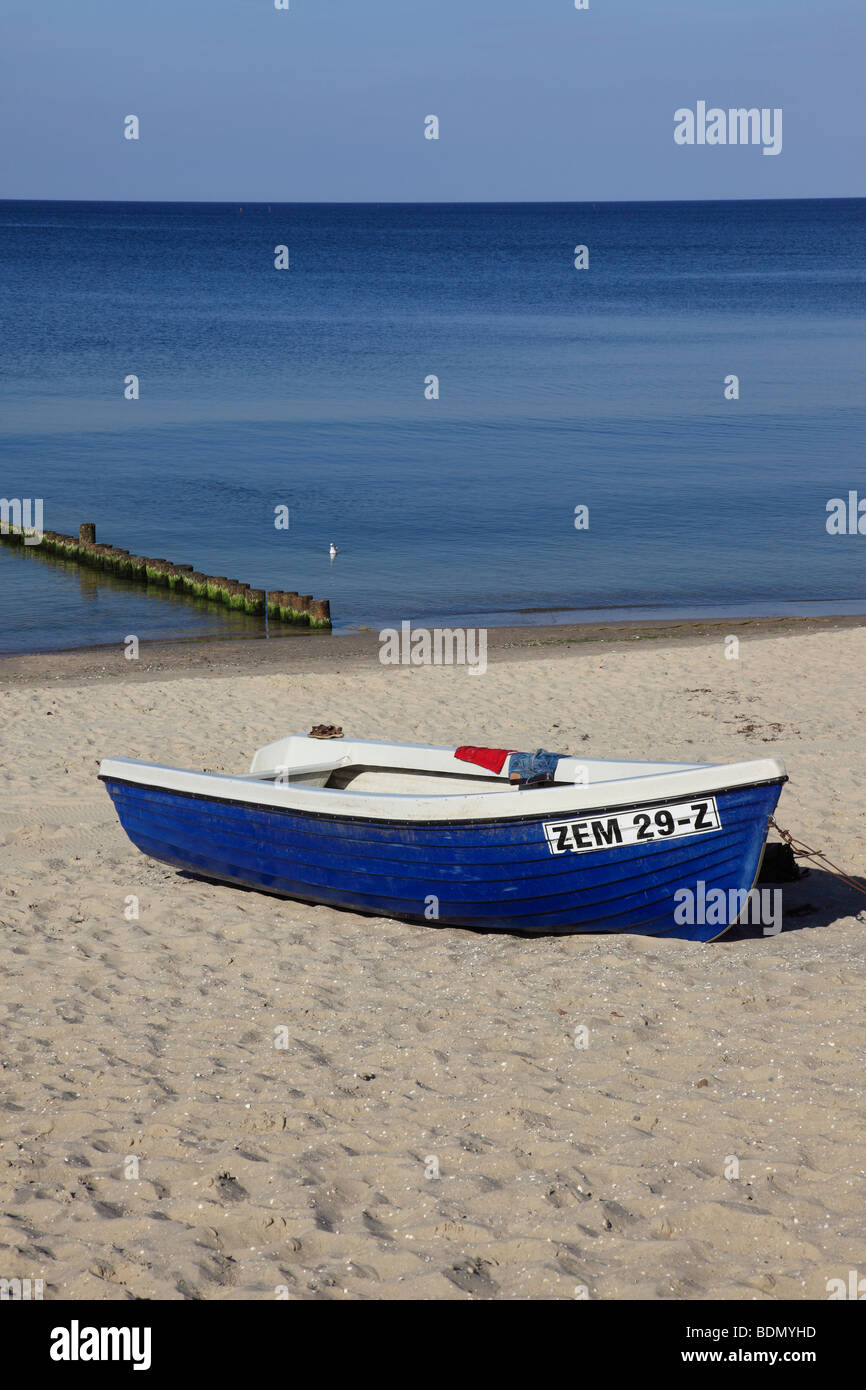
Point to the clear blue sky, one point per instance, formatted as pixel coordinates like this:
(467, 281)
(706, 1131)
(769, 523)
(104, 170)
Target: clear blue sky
(326, 102)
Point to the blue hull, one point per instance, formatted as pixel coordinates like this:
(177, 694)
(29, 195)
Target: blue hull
(489, 874)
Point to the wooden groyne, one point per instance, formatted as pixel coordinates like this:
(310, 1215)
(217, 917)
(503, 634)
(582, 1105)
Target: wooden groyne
(287, 607)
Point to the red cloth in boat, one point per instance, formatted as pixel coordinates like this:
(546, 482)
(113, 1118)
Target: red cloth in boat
(491, 758)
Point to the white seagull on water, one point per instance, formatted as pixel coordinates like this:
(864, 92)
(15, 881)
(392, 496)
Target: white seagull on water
(333, 550)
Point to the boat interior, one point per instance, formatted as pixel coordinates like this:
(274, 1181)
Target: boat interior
(368, 767)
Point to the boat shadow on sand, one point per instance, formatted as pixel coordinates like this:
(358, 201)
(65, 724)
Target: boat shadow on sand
(817, 899)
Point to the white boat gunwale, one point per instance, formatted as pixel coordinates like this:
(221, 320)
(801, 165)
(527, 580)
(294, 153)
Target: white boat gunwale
(330, 814)
(299, 756)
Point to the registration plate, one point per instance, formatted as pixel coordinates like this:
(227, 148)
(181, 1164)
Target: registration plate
(633, 827)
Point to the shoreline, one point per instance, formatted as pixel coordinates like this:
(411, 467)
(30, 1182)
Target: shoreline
(312, 652)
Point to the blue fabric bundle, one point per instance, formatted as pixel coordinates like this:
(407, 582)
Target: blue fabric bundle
(533, 769)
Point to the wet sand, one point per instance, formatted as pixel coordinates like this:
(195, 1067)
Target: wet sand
(304, 651)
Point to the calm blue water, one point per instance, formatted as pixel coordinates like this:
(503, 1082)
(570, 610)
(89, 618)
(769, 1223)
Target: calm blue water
(557, 387)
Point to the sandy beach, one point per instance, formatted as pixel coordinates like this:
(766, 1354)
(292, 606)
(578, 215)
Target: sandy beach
(157, 1144)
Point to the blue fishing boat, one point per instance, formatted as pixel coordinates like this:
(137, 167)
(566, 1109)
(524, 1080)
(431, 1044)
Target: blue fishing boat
(486, 838)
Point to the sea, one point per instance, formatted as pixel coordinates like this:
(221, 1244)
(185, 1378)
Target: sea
(497, 413)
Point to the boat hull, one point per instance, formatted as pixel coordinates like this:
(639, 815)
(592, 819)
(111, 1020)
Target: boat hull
(493, 874)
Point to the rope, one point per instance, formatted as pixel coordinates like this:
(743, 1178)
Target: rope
(802, 851)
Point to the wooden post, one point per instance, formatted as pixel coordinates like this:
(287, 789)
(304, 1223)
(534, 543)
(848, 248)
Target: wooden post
(320, 613)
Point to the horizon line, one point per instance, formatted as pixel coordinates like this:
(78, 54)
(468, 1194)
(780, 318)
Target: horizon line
(437, 202)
